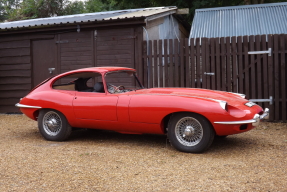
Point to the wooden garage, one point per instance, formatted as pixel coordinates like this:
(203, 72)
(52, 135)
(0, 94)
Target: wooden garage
(33, 50)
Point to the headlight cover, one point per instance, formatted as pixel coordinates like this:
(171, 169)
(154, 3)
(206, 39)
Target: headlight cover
(223, 104)
(250, 104)
(239, 94)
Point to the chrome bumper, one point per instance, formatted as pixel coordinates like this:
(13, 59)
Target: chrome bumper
(265, 115)
(255, 121)
(27, 106)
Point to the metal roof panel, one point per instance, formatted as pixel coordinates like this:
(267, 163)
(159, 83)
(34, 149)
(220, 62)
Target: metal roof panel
(142, 13)
(244, 20)
(87, 17)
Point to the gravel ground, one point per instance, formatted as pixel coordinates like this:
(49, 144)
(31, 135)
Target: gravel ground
(108, 161)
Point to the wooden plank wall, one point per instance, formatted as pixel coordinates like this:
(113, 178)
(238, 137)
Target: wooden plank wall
(76, 50)
(100, 47)
(172, 63)
(15, 72)
(115, 47)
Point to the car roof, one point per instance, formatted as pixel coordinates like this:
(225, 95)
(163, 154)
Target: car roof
(103, 69)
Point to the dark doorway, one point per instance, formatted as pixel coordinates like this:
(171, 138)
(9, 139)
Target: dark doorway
(44, 60)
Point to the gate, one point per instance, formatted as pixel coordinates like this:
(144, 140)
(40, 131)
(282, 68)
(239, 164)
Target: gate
(253, 65)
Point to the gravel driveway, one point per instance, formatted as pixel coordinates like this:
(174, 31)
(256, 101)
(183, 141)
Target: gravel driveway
(108, 161)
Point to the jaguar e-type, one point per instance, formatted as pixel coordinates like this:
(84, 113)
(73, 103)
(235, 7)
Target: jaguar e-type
(112, 98)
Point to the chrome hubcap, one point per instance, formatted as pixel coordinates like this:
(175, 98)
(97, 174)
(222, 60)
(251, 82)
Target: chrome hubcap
(52, 123)
(188, 131)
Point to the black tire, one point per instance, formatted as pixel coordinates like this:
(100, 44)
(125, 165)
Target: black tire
(53, 125)
(190, 132)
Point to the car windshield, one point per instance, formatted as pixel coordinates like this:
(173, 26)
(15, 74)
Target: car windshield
(122, 81)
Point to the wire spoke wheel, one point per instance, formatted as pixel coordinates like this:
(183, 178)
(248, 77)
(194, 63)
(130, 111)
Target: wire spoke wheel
(52, 123)
(188, 131)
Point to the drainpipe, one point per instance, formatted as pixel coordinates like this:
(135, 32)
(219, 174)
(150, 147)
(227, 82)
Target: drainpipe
(148, 62)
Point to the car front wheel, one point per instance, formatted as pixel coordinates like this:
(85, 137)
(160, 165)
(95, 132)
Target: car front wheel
(53, 125)
(190, 132)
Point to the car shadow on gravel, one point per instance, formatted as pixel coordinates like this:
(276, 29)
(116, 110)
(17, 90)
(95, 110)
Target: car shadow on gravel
(227, 145)
(103, 136)
(231, 143)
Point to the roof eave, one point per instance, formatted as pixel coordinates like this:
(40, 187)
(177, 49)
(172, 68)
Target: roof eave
(74, 25)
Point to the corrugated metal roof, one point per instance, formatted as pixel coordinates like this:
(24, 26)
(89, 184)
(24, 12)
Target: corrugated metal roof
(88, 17)
(143, 13)
(243, 20)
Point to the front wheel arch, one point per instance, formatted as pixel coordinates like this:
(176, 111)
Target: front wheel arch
(190, 132)
(166, 119)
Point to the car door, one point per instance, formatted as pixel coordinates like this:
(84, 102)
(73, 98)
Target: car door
(96, 106)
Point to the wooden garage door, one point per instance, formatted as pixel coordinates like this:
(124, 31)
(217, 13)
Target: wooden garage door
(115, 47)
(44, 60)
(75, 50)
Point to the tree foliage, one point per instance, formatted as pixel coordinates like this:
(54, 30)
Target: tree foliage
(8, 6)
(31, 9)
(76, 7)
(28, 9)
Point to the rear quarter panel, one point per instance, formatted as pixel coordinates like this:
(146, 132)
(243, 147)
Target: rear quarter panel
(51, 99)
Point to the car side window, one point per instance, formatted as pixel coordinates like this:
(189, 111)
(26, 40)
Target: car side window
(64, 83)
(121, 82)
(82, 82)
(96, 84)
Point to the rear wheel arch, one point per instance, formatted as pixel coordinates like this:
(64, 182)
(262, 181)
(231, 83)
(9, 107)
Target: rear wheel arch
(53, 125)
(36, 114)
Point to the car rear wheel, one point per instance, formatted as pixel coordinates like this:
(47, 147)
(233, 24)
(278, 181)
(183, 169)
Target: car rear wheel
(53, 125)
(190, 132)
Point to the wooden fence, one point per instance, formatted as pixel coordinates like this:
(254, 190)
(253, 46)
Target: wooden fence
(222, 64)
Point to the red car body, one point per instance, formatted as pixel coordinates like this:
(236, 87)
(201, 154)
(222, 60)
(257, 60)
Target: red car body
(142, 110)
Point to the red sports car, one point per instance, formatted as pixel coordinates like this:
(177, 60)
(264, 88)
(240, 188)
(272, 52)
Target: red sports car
(113, 98)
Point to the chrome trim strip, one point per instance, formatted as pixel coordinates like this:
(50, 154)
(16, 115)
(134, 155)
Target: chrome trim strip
(236, 122)
(27, 106)
(255, 121)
